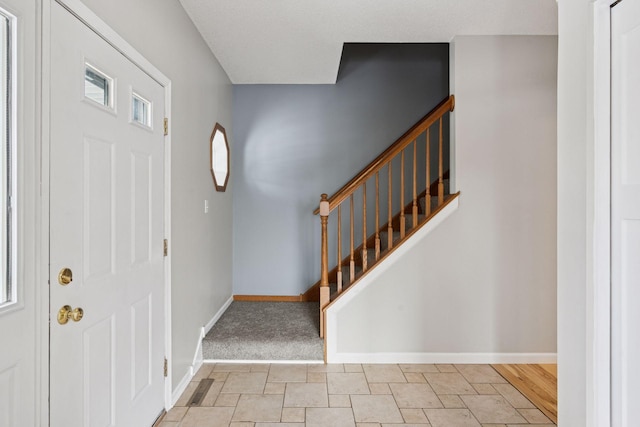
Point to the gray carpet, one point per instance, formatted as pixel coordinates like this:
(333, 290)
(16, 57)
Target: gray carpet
(266, 331)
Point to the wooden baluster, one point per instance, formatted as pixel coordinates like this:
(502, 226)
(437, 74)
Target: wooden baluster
(352, 261)
(440, 178)
(427, 195)
(364, 226)
(414, 209)
(377, 244)
(389, 213)
(339, 273)
(324, 260)
(402, 218)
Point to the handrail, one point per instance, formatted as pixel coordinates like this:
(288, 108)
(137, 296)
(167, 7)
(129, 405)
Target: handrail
(387, 155)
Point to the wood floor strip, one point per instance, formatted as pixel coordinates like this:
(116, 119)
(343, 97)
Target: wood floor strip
(539, 383)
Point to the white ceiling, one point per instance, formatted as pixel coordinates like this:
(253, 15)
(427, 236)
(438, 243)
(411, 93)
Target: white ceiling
(300, 41)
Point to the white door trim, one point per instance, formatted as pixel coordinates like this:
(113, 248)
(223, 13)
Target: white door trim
(78, 9)
(599, 331)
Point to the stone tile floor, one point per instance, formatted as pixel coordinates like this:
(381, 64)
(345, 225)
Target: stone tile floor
(266, 395)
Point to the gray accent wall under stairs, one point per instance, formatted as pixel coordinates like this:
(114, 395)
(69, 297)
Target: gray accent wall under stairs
(294, 142)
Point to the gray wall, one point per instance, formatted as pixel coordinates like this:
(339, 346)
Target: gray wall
(294, 142)
(201, 95)
(484, 281)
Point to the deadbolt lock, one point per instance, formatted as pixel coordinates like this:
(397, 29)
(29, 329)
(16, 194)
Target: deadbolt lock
(65, 276)
(66, 313)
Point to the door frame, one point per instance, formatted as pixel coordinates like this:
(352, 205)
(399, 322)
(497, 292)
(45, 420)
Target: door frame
(599, 301)
(90, 19)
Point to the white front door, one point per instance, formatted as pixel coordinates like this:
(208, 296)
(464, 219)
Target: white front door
(106, 228)
(625, 212)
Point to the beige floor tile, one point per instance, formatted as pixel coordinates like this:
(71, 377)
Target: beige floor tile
(379, 388)
(274, 388)
(169, 424)
(260, 367)
(219, 376)
(207, 417)
(414, 377)
(353, 367)
(367, 424)
(227, 400)
(535, 416)
(204, 371)
(452, 401)
(335, 417)
(321, 367)
(245, 382)
(414, 396)
(449, 383)
(187, 393)
(287, 373)
(485, 389)
(293, 415)
(530, 425)
(376, 409)
(232, 367)
(480, 374)
(316, 377)
(492, 409)
(212, 395)
(419, 368)
(347, 383)
(513, 396)
(406, 425)
(451, 417)
(415, 416)
(242, 424)
(339, 401)
(259, 408)
(306, 395)
(384, 374)
(495, 425)
(175, 414)
(279, 425)
(446, 368)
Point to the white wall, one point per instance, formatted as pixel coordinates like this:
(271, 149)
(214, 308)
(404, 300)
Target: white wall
(201, 95)
(484, 281)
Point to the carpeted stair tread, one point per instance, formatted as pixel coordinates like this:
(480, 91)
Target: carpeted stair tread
(265, 331)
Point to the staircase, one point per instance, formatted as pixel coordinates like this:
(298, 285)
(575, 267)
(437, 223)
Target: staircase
(395, 195)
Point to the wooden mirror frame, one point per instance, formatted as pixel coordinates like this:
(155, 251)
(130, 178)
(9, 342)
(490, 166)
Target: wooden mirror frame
(219, 186)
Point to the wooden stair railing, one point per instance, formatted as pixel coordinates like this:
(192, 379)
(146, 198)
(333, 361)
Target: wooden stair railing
(372, 248)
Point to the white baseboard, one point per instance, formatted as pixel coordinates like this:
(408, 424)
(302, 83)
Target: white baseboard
(470, 358)
(271, 362)
(217, 316)
(180, 388)
(198, 358)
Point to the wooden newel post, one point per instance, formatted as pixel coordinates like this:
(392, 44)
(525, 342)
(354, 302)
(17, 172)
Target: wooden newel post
(324, 260)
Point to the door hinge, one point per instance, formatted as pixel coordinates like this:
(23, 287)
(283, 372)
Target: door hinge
(166, 247)
(166, 368)
(166, 126)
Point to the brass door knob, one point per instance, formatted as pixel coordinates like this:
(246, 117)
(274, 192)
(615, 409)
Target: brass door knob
(65, 276)
(66, 313)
